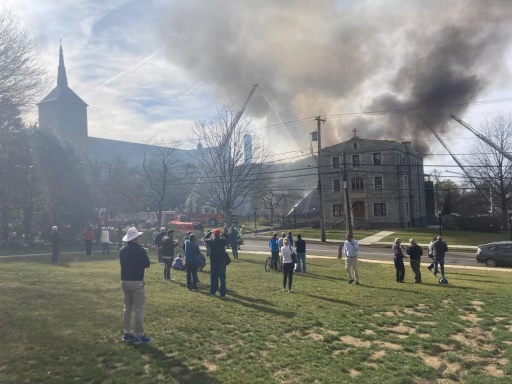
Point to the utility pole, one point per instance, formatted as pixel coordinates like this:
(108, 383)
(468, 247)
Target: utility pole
(319, 121)
(347, 197)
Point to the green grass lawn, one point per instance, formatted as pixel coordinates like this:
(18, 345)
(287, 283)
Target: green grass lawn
(331, 234)
(63, 324)
(451, 236)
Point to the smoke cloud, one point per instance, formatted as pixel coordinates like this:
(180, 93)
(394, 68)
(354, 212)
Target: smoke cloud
(332, 57)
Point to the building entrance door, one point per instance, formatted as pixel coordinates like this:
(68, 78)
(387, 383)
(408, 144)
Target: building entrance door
(358, 210)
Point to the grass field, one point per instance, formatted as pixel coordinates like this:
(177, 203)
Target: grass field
(63, 324)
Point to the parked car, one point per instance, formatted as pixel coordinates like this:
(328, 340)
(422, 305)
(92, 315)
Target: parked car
(493, 254)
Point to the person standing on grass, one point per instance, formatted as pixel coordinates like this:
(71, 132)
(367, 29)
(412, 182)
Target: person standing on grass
(300, 246)
(167, 245)
(88, 239)
(415, 252)
(192, 261)
(288, 265)
(55, 240)
(290, 238)
(119, 238)
(233, 242)
(439, 249)
(398, 258)
(134, 261)
(274, 250)
(105, 241)
(350, 248)
(431, 255)
(217, 247)
(158, 242)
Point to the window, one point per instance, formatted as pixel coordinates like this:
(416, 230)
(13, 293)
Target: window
(336, 162)
(357, 183)
(401, 159)
(337, 210)
(379, 209)
(377, 159)
(378, 182)
(355, 146)
(355, 161)
(336, 185)
(406, 181)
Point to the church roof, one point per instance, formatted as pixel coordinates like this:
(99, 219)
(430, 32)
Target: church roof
(62, 92)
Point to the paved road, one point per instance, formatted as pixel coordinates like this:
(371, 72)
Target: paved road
(365, 252)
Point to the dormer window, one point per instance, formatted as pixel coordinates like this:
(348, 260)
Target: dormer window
(355, 145)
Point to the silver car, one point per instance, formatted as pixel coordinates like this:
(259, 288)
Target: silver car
(492, 254)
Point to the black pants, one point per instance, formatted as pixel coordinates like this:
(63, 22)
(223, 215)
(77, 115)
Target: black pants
(167, 267)
(191, 275)
(234, 248)
(288, 274)
(88, 247)
(400, 269)
(55, 254)
(415, 265)
(275, 257)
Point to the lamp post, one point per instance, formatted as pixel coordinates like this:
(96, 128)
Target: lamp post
(510, 222)
(147, 209)
(255, 221)
(295, 216)
(440, 223)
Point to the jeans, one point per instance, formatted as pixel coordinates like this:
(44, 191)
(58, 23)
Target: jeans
(400, 269)
(88, 247)
(218, 272)
(167, 267)
(439, 261)
(234, 248)
(301, 259)
(288, 274)
(351, 268)
(105, 248)
(415, 265)
(275, 257)
(191, 275)
(134, 302)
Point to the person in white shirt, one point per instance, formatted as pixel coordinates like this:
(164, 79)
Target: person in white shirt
(350, 249)
(288, 264)
(105, 241)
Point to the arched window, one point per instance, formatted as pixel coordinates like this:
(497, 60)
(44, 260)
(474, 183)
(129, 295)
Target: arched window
(357, 183)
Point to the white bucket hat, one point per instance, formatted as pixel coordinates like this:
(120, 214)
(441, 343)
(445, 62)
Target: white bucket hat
(131, 233)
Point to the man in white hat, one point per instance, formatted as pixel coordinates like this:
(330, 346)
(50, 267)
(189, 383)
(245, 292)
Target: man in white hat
(134, 260)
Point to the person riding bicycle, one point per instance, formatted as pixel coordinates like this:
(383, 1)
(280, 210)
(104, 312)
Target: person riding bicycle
(274, 249)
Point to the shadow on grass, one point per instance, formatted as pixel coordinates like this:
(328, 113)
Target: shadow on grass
(331, 300)
(320, 277)
(174, 367)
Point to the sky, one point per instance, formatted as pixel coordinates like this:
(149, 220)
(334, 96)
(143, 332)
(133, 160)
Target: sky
(152, 68)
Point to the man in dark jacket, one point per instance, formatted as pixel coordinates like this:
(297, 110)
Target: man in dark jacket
(168, 244)
(439, 249)
(55, 240)
(300, 246)
(217, 247)
(233, 242)
(415, 252)
(134, 260)
(158, 242)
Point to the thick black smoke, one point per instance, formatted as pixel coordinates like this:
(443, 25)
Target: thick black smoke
(332, 57)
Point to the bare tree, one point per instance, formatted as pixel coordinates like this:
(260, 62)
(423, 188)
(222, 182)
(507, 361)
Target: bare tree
(162, 169)
(490, 166)
(271, 198)
(22, 77)
(227, 177)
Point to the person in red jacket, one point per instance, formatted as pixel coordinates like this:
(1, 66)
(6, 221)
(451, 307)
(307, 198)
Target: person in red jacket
(88, 239)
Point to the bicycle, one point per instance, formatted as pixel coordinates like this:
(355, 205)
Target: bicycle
(268, 264)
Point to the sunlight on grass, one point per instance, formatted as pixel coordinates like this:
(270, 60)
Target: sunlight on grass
(63, 324)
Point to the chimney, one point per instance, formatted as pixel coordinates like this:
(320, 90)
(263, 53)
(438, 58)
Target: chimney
(407, 145)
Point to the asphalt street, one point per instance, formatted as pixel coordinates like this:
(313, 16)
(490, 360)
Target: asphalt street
(365, 252)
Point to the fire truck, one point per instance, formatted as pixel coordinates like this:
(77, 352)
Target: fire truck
(206, 216)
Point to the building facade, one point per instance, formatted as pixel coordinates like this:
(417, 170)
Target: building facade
(385, 183)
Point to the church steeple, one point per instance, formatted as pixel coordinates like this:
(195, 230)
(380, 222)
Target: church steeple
(62, 79)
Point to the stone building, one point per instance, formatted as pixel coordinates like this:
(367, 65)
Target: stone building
(385, 183)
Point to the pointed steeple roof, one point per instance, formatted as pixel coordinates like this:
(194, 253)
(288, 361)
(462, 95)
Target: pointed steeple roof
(62, 79)
(62, 92)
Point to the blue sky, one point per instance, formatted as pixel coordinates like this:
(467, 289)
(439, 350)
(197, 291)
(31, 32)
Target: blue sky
(151, 68)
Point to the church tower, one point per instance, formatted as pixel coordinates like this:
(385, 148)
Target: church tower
(64, 111)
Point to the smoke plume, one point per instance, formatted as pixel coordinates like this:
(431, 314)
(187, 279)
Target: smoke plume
(332, 57)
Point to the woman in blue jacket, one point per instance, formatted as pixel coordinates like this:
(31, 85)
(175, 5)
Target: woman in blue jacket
(192, 258)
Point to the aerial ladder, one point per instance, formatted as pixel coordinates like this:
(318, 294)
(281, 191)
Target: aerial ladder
(471, 179)
(482, 137)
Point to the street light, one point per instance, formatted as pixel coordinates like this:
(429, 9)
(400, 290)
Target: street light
(440, 223)
(295, 216)
(255, 221)
(147, 209)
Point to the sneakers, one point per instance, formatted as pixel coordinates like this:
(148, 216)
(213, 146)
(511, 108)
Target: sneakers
(351, 281)
(142, 339)
(128, 337)
(357, 283)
